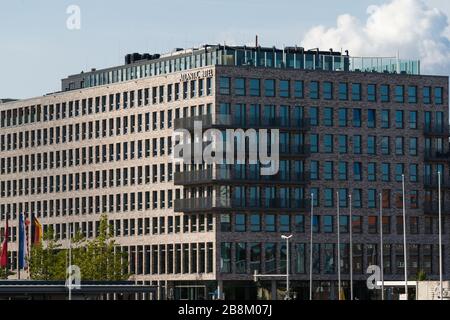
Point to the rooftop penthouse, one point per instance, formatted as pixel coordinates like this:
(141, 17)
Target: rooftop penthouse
(147, 65)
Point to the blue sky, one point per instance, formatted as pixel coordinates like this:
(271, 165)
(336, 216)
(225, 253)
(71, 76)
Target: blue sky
(37, 50)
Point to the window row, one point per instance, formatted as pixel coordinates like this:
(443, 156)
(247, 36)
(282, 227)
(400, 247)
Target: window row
(327, 90)
(107, 103)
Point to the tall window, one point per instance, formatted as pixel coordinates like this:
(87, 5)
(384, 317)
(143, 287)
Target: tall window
(328, 90)
(372, 171)
(356, 91)
(438, 95)
(269, 87)
(342, 144)
(255, 87)
(371, 93)
(357, 118)
(343, 91)
(328, 143)
(427, 95)
(371, 118)
(314, 90)
(384, 93)
(224, 85)
(385, 121)
(357, 149)
(399, 119)
(314, 143)
(298, 89)
(328, 170)
(284, 88)
(399, 94)
(412, 94)
(314, 116)
(342, 117)
(239, 86)
(328, 117)
(371, 145)
(413, 119)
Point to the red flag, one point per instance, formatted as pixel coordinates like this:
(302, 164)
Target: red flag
(4, 255)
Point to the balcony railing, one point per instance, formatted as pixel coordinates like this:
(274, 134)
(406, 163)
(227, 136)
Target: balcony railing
(228, 121)
(437, 156)
(226, 203)
(430, 182)
(232, 175)
(432, 207)
(437, 131)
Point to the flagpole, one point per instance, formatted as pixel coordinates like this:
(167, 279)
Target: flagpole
(311, 249)
(440, 236)
(18, 249)
(70, 261)
(338, 249)
(351, 250)
(381, 246)
(405, 258)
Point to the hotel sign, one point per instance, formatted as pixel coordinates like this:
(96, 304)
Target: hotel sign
(196, 75)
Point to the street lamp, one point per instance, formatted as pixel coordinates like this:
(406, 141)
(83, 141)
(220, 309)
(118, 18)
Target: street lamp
(287, 265)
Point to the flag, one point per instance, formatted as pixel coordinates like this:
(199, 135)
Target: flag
(22, 243)
(36, 230)
(4, 248)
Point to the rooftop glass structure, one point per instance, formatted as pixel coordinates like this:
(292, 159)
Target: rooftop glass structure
(266, 57)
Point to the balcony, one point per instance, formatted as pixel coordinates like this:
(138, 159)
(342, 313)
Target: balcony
(233, 176)
(226, 121)
(432, 207)
(299, 151)
(228, 204)
(437, 131)
(436, 156)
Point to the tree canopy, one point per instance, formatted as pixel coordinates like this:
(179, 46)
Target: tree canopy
(98, 259)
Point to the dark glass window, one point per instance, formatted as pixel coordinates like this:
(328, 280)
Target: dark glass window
(385, 121)
(284, 88)
(438, 95)
(314, 90)
(384, 93)
(412, 94)
(314, 116)
(371, 118)
(239, 86)
(427, 95)
(343, 91)
(399, 94)
(342, 117)
(357, 118)
(224, 85)
(328, 90)
(356, 92)
(328, 117)
(269, 87)
(372, 93)
(298, 89)
(255, 87)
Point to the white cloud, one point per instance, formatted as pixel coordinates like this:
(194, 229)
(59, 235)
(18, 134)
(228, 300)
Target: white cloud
(412, 27)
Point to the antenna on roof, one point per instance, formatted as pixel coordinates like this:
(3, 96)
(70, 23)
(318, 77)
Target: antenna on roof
(256, 41)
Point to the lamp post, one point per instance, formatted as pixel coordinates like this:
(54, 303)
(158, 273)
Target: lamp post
(405, 253)
(351, 249)
(311, 249)
(440, 235)
(288, 296)
(381, 246)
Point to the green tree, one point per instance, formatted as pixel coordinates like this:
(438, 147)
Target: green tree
(5, 273)
(47, 261)
(421, 276)
(99, 258)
